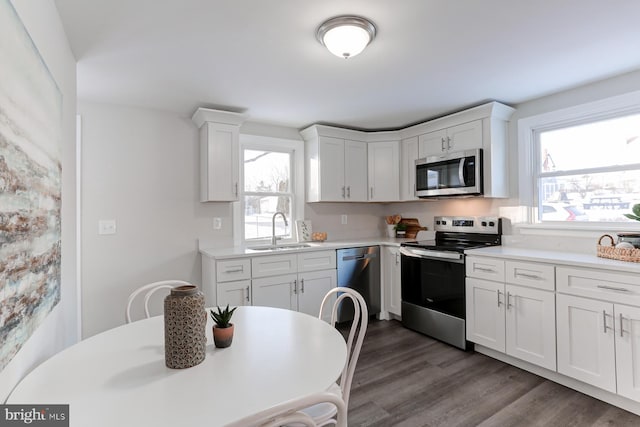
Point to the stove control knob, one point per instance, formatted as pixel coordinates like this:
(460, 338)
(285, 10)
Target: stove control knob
(438, 222)
(484, 223)
(444, 222)
(491, 224)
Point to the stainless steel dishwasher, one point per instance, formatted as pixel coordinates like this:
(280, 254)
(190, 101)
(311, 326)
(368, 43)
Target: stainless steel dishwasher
(359, 268)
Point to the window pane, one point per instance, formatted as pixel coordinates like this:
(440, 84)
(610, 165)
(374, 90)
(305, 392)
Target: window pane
(591, 197)
(598, 144)
(266, 171)
(258, 214)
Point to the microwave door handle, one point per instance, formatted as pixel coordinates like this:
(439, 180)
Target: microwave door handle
(461, 172)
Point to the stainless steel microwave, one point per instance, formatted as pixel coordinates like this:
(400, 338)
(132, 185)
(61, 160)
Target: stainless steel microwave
(451, 174)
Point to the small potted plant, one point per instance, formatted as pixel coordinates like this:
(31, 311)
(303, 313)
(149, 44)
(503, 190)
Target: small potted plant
(401, 229)
(223, 329)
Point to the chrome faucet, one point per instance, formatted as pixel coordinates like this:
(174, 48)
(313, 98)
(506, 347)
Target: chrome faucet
(273, 226)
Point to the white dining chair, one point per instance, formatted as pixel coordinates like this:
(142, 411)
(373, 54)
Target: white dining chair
(324, 414)
(290, 413)
(148, 291)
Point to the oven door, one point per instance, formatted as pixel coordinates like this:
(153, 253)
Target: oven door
(434, 280)
(450, 175)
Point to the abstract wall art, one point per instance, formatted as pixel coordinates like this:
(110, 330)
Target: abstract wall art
(30, 186)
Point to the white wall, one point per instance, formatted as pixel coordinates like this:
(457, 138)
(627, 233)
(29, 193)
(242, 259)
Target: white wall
(140, 168)
(59, 330)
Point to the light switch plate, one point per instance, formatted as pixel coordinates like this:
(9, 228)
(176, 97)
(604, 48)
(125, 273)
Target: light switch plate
(217, 223)
(107, 226)
(344, 219)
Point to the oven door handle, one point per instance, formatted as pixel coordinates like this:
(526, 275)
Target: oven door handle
(428, 254)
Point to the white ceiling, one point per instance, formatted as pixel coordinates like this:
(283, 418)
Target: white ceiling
(430, 57)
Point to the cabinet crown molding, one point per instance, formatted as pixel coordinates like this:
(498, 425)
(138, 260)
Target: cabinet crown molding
(494, 110)
(203, 115)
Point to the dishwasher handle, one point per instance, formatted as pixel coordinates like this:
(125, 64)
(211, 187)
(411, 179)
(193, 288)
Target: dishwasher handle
(358, 257)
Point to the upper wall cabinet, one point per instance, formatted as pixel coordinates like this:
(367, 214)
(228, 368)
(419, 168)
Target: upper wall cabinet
(456, 138)
(384, 171)
(336, 167)
(219, 154)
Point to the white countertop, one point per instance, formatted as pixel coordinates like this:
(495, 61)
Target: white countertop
(221, 253)
(556, 257)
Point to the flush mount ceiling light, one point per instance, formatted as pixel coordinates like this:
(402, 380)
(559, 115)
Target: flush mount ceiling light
(346, 36)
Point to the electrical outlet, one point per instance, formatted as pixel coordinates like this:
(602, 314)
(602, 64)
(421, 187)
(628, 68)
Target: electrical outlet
(343, 219)
(217, 223)
(106, 226)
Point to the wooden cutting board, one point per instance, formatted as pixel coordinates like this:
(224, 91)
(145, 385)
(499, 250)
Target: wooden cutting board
(413, 226)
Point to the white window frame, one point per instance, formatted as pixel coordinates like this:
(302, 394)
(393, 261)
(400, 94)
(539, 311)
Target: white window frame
(296, 148)
(529, 158)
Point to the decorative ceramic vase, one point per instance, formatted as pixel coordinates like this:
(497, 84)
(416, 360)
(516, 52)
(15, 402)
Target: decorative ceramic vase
(391, 230)
(184, 327)
(222, 337)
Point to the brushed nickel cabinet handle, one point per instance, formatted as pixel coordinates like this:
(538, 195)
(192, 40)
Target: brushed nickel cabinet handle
(529, 276)
(612, 288)
(499, 302)
(604, 321)
(248, 300)
(302, 286)
(348, 192)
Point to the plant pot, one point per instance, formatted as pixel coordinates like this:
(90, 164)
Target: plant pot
(222, 337)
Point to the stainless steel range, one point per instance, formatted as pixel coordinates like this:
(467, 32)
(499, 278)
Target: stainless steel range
(433, 276)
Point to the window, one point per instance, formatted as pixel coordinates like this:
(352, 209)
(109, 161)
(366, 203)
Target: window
(589, 171)
(581, 165)
(267, 190)
(271, 181)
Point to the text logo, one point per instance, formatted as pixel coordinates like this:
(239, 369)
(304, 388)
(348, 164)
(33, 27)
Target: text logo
(34, 415)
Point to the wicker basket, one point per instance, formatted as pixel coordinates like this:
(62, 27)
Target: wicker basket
(611, 252)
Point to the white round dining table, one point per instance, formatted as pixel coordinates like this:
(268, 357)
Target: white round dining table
(119, 377)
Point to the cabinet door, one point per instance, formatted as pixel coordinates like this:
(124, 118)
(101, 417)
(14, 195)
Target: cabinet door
(234, 293)
(384, 171)
(312, 287)
(432, 143)
(628, 351)
(531, 325)
(485, 313)
(409, 155)
(586, 349)
(331, 169)
(392, 276)
(355, 170)
(219, 164)
(465, 136)
(275, 291)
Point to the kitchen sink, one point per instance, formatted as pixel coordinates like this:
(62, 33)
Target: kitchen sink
(279, 247)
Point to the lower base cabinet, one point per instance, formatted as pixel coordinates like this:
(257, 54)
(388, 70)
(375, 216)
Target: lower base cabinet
(234, 293)
(391, 280)
(301, 292)
(599, 344)
(515, 320)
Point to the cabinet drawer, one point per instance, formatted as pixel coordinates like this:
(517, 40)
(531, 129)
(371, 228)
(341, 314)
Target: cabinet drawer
(274, 265)
(531, 274)
(485, 268)
(314, 261)
(233, 269)
(602, 285)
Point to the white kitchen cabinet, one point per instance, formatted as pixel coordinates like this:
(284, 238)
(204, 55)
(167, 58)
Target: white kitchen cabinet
(485, 313)
(409, 155)
(278, 291)
(461, 137)
(531, 325)
(301, 292)
(510, 318)
(234, 293)
(219, 154)
(628, 351)
(586, 337)
(598, 329)
(391, 280)
(312, 287)
(384, 171)
(336, 170)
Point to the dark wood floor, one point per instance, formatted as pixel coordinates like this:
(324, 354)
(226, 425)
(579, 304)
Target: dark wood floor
(407, 379)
